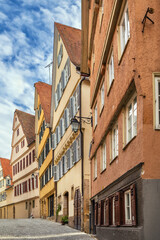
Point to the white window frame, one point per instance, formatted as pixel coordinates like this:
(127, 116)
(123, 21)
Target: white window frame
(133, 122)
(102, 95)
(95, 115)
(103, 156)
(95, 167)
(124, 29)
(157, 101)
(127, 207)
(111, 69)
(114, 143)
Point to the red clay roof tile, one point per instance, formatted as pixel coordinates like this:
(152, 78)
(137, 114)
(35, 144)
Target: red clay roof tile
(28, 125)
(45, 91)
(7, 169)
(71, 38)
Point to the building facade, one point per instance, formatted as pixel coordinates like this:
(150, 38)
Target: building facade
(43, 149)
(70, 98)
(5, 183)
(125, 87)
(24, 167)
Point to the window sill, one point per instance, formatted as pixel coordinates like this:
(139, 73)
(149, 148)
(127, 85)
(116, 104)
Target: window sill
(94, 179)
(113, 160)
(101, 111)
(110, 88)
(95, 128)
(122, 54)
(103, 171)
(129, 143)
(157, 129)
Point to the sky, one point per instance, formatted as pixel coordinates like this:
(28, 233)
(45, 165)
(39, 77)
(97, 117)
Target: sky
(26, 47)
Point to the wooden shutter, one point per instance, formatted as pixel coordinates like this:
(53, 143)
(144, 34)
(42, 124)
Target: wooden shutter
(96, 213)
(36, 181)
(117, 209)
(99, 213)
(29, 182)
(107, 211)
(33, 153)
(32, 183)
(74, 152)
(122, 211)
(68, 158)
(133, 204)
(69, 69)
(110, 211)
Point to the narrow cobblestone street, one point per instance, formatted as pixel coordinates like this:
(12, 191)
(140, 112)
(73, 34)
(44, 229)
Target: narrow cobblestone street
(38, 229)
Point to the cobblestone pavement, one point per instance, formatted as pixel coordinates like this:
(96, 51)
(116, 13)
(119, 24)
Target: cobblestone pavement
(38, 229)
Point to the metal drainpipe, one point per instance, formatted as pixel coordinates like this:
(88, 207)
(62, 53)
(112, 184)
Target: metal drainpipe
(82, 154)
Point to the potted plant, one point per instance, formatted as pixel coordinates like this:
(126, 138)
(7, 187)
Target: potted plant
(64, 220)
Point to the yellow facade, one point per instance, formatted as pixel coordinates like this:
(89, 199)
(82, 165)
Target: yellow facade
(47, 190)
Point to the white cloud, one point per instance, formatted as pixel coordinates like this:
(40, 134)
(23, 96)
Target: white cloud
(5, 46)
(26, 47)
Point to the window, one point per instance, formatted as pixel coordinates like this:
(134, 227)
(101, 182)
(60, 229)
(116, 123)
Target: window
(95, 115)
(102, 96)
(26, 161)
(131, 118)
(95, 167)
(23, 143)
(18, 132)
(23, 163)
(124, 29)
(33, 155)
(157, 102)
(26, 205)
(29, 158)
(101, 13)
(103, 157)
(114, 143)
(17, 148)
(111, 69)
(60, 55)
(33, 203)
(127, 195)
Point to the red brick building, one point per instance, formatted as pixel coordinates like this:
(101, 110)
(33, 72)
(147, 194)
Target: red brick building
(121, 55)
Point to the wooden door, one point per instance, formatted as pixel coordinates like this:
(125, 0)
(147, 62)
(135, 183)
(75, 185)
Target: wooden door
(77, 209)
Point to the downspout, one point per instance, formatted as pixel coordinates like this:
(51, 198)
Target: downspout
(82, 152)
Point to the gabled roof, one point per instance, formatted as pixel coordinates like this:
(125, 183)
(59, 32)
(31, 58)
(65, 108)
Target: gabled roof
(45, 91)
(7, 169)
(27, 122)
(71, 38)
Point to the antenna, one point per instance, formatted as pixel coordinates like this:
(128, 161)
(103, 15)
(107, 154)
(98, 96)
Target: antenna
(48, 66)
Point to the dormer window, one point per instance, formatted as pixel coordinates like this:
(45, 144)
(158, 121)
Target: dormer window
(8, 181)
(60, 55)
(18, 132)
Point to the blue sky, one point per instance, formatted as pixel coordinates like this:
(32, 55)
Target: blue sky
(26, 47)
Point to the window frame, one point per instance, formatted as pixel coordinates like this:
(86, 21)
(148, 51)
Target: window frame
(95, 116)
(131, 102)
(157, 101)
(110, 69)
(126, 36)
(114, 142)
(103, 156)
(127, 221)
(95, 167)
(102, 93)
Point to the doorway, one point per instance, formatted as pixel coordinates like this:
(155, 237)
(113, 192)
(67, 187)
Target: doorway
(77, 210)
(66, 204)
(51, 206)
